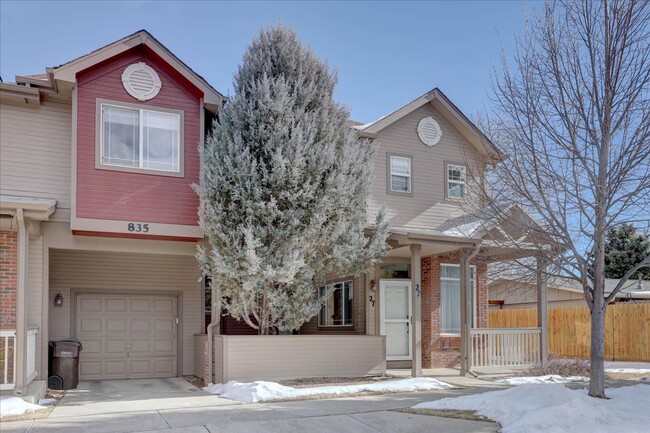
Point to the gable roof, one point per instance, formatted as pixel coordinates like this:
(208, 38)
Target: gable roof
(67, 71)
(449, 111)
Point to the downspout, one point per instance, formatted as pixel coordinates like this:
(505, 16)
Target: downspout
(215, 321)
(21, 331)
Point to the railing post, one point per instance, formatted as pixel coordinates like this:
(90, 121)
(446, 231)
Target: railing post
(542, 310)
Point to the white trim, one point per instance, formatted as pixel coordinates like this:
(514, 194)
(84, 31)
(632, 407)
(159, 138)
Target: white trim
(382, 314)
(153, 229)
(141, 110)
(406, 175)
(463, 170)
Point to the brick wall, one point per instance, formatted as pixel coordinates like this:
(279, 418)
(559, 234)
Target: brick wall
(8, 278)
(444, 350)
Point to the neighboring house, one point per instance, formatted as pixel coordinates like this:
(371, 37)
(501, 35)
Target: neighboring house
(516, 292)
(99, 222)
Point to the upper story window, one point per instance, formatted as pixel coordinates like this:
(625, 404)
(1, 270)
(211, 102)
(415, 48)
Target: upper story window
(337, 311)
(456, 180)
(400, 174)
(140, 139)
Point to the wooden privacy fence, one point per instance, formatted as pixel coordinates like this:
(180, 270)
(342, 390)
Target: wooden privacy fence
(627, 329)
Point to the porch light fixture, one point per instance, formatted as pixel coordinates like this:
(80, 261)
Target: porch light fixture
(58, 300)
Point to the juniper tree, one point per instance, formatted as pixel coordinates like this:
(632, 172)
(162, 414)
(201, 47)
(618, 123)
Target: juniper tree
(284, 184)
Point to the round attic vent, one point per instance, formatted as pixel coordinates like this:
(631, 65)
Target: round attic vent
(429, 131)
(141, 81)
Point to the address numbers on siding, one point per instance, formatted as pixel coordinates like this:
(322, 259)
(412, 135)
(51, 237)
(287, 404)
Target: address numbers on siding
(138, 227)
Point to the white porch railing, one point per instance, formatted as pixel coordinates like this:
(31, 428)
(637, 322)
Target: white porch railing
(7, 358)
(504, 347)
(31, 353)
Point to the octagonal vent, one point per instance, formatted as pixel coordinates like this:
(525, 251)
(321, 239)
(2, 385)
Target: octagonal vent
(141, 81)
(429, 131)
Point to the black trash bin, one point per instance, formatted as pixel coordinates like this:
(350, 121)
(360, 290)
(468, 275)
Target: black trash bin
(65, 362)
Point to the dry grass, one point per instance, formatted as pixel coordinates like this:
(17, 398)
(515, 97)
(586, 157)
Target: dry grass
(448, 413)
(560, 366)
(325, 381)
(196, 381)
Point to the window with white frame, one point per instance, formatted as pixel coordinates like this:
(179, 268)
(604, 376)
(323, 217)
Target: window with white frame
(456, 180)
(337, 311)
(400, 174)
(450, 297)
(139, 138)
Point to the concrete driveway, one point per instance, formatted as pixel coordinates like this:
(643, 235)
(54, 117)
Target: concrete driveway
(174, 405)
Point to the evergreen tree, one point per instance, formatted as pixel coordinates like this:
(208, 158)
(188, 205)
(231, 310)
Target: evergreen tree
(284, 184)
(624, 249)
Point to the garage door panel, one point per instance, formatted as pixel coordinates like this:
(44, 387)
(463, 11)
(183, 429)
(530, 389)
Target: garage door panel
(127, 336)
(140, 305)
(140, 325)
(116, 325)
(90, 325)
(91, 305)
(116, 305)
(164, 306)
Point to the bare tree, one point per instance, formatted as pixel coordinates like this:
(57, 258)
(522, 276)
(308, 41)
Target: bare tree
(573, 114)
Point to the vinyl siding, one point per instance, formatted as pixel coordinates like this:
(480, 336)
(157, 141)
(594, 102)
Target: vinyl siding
(35, 146)
(427, 206)
(140, 197)
(137, 273)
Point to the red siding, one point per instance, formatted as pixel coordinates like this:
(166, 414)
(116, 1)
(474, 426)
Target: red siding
(115, 195)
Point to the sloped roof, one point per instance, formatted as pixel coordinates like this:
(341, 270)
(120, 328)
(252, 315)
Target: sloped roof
(67, 71)
(452, 113)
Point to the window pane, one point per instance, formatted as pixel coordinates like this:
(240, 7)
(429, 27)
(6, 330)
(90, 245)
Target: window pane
(395, 270)
(400, 165)
(456, 190)
(456, 172)
(160, 140)
(400, 183)
(337, 310)
(450, 298)
(121, 140)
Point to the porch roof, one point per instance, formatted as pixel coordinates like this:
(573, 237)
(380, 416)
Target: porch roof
(34, 208)
(504, 235)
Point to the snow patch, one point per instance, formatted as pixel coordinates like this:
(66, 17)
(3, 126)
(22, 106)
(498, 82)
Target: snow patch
(14, 406)
(549, 378)
(47, 401)
(628, 370)
(555, 408)
(264, 391)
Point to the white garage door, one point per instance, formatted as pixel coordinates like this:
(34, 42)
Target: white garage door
(127, 336)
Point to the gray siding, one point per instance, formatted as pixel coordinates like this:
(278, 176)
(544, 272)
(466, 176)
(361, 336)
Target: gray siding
(35, 146)
(137, 273)
(427, 207)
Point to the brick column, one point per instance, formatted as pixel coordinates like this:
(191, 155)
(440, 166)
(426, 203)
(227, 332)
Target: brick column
(8, 278)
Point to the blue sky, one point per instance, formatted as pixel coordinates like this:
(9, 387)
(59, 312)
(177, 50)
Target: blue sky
(386, 53)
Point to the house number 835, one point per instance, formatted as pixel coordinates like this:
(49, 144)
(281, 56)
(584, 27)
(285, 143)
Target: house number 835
(137, 227)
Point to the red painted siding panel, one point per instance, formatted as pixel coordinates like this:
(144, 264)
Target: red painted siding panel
(115, 195)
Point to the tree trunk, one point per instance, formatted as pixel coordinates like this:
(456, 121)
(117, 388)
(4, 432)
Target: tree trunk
(597, 373)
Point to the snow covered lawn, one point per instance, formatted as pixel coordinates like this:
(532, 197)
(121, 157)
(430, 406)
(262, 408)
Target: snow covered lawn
(549, 378)
(553, 408)
(264, 391)
(14, 406)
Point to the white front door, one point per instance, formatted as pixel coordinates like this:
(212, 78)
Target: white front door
(395, 318)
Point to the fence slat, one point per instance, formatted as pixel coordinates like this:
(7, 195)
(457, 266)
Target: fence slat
(627, 329)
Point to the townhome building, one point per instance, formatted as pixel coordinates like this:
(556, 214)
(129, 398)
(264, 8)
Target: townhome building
(99, 225)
